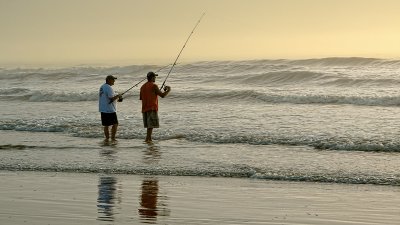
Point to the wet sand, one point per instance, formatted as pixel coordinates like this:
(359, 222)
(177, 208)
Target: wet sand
(80, 198)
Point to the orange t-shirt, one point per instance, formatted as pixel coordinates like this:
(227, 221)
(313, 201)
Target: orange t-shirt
(149, 97)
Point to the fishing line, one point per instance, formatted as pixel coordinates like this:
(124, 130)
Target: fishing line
(173, 65)
(182, 50)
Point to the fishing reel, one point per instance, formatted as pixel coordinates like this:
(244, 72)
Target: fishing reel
(120, 99)
(166, 88)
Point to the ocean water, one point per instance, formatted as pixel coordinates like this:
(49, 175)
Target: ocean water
(331, 120)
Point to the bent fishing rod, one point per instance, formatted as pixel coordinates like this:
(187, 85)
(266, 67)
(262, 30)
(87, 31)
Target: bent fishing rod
(184, 45)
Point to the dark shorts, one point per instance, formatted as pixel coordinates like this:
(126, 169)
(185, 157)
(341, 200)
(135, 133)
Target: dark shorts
(150, 119)
(108, 119)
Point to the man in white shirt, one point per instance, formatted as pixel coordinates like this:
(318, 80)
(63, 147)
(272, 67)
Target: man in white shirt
(108, 107)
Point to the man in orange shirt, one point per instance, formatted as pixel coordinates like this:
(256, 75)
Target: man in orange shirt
(149, 93)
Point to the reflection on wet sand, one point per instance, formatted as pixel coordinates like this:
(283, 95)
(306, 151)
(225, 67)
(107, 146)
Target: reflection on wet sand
(107, 197)
(108, 189)
(152, 203)
(148, 200)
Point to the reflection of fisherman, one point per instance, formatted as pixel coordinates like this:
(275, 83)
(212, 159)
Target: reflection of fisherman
(149, 93)
(108, 107)
(152, 204)
(148, 201)
(106, 198)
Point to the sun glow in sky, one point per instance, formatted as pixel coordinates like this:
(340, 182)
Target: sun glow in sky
(154, 31)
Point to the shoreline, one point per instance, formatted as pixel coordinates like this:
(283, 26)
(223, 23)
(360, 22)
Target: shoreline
(76, 198)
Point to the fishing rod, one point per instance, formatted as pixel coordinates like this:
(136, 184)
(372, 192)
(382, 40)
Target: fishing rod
(182, 50)
(121, 99)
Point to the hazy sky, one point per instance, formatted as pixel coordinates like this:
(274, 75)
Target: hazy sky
(153, 31)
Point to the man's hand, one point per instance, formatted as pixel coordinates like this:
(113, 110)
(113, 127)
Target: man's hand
(167, 88)
(120, 98)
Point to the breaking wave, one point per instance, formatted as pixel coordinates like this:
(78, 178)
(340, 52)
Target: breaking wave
(25, 94)
(287, 98)
(281, 97)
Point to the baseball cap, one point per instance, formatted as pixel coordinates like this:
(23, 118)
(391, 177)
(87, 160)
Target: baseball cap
(110, 77)
(151, 74)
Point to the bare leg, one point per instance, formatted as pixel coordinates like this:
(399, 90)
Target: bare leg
(113, 131)
(149, 132)
(106, 133)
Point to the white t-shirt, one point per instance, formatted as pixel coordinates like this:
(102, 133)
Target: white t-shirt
(105, 94)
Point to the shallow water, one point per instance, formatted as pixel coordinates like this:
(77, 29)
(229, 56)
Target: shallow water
(321, 120)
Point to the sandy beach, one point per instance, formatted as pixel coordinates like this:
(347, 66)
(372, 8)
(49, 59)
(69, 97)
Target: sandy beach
(65, 198)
